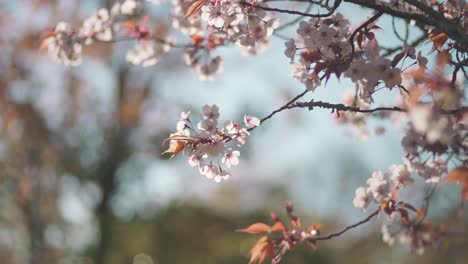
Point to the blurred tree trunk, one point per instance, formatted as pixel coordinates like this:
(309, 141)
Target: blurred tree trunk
(117, 152)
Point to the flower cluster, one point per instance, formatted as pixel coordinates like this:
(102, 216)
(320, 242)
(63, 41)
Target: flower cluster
(66, 44)
(208, 144)
(147, 53)
(380, 186)
(206, 69)
(226, 21)
(415, 231)
(326, 48)
(430, 133)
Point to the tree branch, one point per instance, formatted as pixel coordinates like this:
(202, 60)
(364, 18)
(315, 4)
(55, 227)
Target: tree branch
(341, 107)
(441, 23)
(367, 219)
(294, 12)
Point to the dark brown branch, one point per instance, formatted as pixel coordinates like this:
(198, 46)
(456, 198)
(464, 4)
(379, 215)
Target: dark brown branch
(441, 23)
(330, 236)
(294, 12)
(294, 21)
(424, 8)
(341, 107)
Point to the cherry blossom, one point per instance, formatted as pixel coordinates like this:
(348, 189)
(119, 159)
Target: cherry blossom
(64, 45)
(251, 121)
(400, 175)
(362, 198)
(209, 144)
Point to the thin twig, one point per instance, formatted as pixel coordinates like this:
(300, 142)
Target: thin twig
(367, 219)
(294, 12)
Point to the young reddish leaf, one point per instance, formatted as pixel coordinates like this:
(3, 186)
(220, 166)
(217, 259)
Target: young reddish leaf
(278, 226)
(438, 38)
(256, 228)
(196, 39)
(296, 222)
(415, 94)
(177, 144)
(443, 58)
(328, 74)
(311, 56)
(262, 249)
(195, 7)
(420, 214)
(370, 35)
(175, 147)
(319, 66)
(394, 194)
(46, 37)
(397, 58)
(359, 39)
(459, 176)
(178, 138)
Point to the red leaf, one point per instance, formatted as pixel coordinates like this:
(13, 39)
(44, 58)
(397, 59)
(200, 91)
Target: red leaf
(177, 144)
(438, 38)
(359, 39)
(394, 194)
(420, 214)
(278, 226)
(256, 228)
(370, 36)
(262, 249)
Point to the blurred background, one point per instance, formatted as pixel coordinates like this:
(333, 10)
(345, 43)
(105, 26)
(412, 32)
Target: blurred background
(82, 179)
